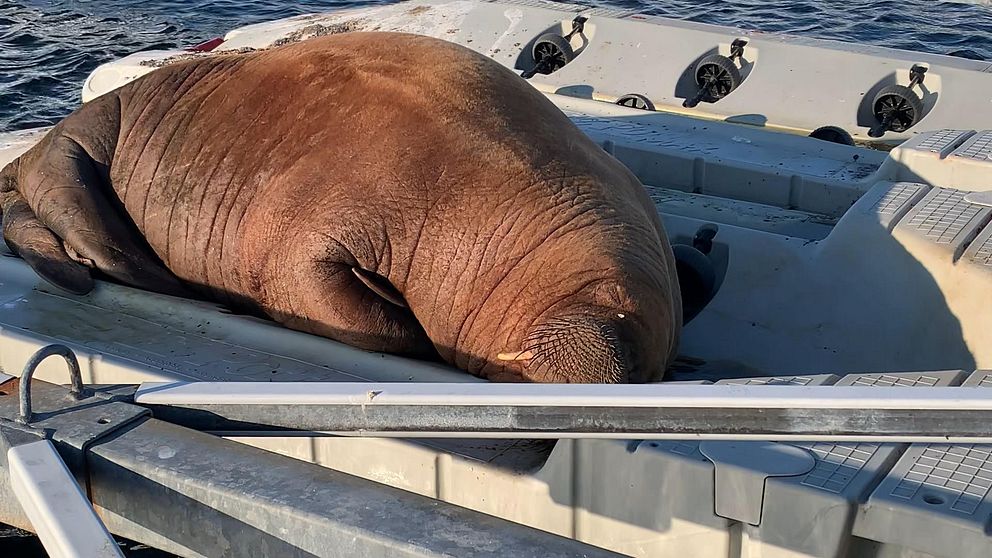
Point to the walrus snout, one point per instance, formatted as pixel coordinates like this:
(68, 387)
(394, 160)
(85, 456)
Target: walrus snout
(581, 348)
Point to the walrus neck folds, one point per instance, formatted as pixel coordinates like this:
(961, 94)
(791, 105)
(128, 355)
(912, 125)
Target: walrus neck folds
(576, 348)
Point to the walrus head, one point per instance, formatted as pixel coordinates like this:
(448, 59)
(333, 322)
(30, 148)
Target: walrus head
(620, 328)
(592, 344)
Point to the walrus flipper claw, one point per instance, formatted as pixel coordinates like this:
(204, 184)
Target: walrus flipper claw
(41, 249)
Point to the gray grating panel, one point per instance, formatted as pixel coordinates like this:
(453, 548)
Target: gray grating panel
(980, 251)
(936, 498)
(977, 147)
(837, 465)
(811, 380)
(616, 13)
(983, 255)
(981, 378)
(546, 4)
(822, 501)
(890, 380)
(942, 142)
(963, 473)
(636, 133)
(897, 201)
(685, 142)
(783, 381)
(944, 215)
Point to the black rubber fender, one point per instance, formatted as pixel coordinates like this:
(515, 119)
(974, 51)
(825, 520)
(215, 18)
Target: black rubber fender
(697, 280)
(833, 134)
(555, 47)
(900, 100)
(719, 75)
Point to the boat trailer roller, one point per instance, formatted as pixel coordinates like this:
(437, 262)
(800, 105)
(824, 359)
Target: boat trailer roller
(149, 460)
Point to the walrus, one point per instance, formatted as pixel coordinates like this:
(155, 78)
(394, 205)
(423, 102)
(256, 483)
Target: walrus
(394, 192)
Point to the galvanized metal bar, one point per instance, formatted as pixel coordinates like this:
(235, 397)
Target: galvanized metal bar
(59, 512)
(579, 411)
(199, 495)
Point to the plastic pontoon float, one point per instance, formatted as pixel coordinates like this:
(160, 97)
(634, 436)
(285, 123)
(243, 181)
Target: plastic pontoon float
(846, 275)
(877, 95)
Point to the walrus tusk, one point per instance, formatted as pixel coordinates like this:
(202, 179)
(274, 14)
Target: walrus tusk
(519, 355)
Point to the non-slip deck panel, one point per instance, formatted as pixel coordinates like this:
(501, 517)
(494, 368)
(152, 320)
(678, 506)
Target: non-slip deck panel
(728, 161)
(726, 143)
(905, 379)
(944, 218)
(980, 251)
(936, 498)
(960, 159)
(813, 380)
(811, 514)
(977, 147)
(896, 202)
(940, 142)
(823, 501)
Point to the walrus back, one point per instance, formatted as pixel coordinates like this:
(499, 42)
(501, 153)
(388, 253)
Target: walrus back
(203, 141)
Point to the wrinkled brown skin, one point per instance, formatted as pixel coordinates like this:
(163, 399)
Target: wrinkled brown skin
(261, 180)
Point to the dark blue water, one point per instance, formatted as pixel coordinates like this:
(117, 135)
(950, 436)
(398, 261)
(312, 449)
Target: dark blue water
(48, 47)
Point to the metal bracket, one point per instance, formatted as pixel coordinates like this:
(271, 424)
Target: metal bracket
(916, 75)
(75, 377)
(737, 48)
(73, 419)
(578, 26)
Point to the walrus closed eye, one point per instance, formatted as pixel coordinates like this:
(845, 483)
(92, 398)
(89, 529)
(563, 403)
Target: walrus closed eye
(395, 192)
(380, 286)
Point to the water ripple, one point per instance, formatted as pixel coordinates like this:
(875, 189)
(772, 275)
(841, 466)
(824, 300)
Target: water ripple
(48, 47)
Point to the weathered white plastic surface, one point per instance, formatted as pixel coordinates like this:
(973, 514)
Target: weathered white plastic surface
(959, 158)
(59, 512)
(789, 82)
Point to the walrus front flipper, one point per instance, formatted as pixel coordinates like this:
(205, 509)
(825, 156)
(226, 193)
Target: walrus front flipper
(40, 248)
(697, 275)
(70, 197)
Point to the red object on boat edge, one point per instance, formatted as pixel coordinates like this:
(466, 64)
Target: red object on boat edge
(207, 46)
